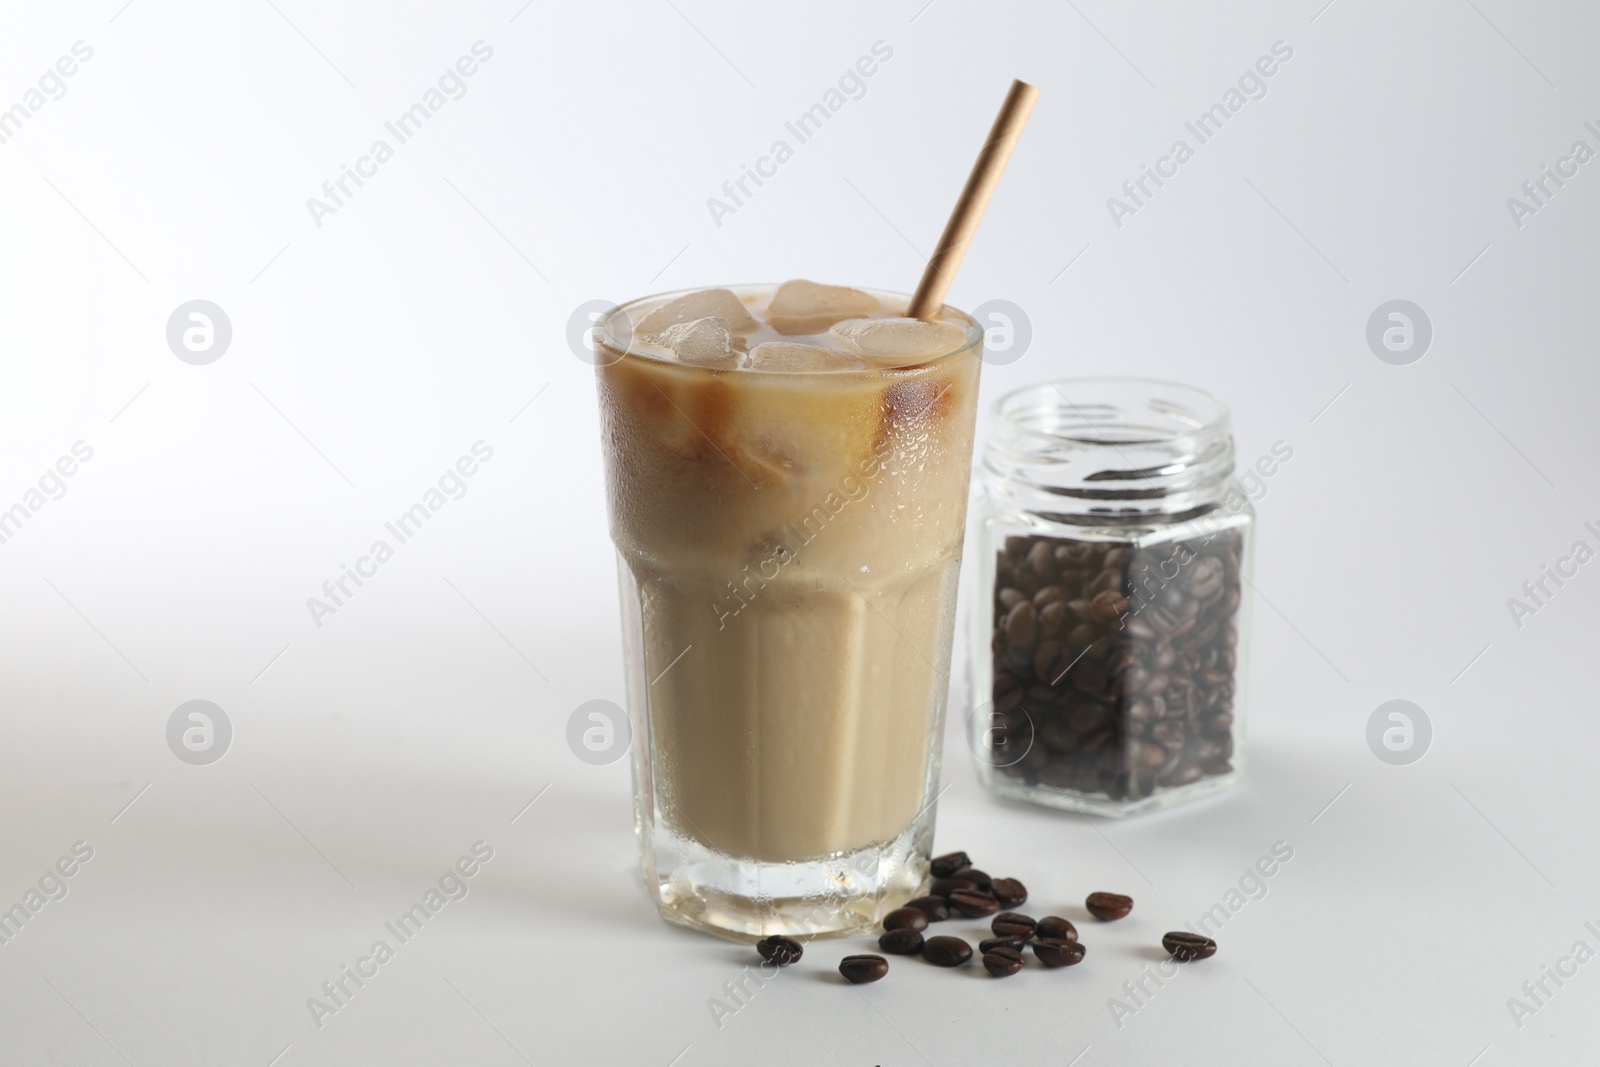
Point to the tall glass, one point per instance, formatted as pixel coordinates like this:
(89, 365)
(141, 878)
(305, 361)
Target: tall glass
(788, 548)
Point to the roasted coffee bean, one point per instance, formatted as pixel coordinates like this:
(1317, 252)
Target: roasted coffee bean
(902, 942)
(988, 944)
(973, 903)
(1184, 775)
(933, 907)
(1105, 581)
(1123, 658)
(906, 919)
(946, 951)
(1049, 660)
(1055, 928)
(779, 949)
(1107, 606)
(1138, 629)
(1132, 680)
(1002, 961)
(1052, 617)
(1053, 952)
(1058, 735)
(1086, 718)
(1041, 558)
(1048, 595)
(975, 876)
(1185, 946)
(1169, 735)
(1022, 625)
(943, 887)
(1009, 892)
(1205, 578)
(1108, 906)
(1040, 695)
(1089, 677)
(1010, 924)
(949, 863)
(859, 970)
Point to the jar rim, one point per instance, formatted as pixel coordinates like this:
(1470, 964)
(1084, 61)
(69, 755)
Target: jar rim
(1193, 411)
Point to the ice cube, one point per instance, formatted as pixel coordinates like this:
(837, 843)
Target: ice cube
(705, 342)
(899, 341)
(707, 303)
(786, 357)
(806, 307)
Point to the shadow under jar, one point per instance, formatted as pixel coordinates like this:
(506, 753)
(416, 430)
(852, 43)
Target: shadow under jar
(1114, 555)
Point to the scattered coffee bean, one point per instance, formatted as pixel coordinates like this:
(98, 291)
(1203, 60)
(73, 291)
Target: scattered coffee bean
(902, 942)
(1108, 906)
(946, 951)
(1055, 928)
(933, 907)
(948, 864)
(1185, 946)
(988, 944)
(1054, 952)
(1002, 961)
(1009, 892)
(973, 903)
(906, 919)
(1010, 924)
(943, 887)
(859, 970)
(779, 949)
(1114, 664)
(976, 877)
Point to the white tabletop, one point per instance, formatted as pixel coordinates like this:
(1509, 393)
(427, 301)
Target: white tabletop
(375, 344)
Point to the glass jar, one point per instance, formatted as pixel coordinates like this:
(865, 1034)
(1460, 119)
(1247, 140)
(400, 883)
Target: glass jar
(1110, 621)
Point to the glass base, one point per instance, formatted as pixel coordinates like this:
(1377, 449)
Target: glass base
(1013, 788)
(745, 899)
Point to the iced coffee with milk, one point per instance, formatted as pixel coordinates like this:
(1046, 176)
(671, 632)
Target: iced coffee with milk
(787, 477)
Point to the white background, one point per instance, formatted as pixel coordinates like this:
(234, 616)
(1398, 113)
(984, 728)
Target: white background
(372, 351)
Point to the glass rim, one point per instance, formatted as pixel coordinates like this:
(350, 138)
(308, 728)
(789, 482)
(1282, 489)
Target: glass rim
(604, 335)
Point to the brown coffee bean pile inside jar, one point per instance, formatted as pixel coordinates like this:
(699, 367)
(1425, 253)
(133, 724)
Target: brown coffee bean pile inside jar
(1114, 663)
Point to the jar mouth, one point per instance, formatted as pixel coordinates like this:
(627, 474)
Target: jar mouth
(1097, 411)
(1097, 446)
